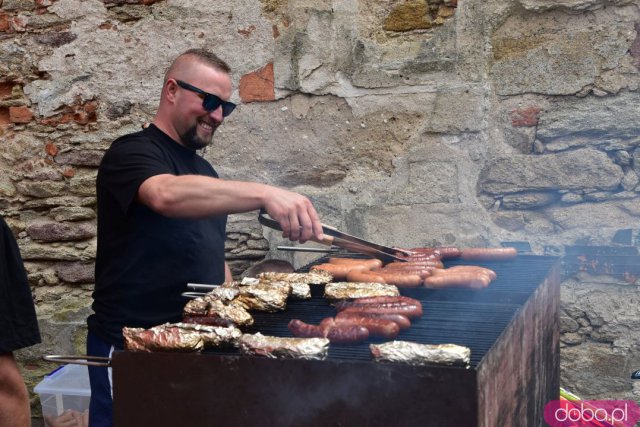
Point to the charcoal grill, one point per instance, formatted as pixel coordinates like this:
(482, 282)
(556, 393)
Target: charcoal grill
(511, 328)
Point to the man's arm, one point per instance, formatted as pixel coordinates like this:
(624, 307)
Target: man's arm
(227, 273)
(195, 196)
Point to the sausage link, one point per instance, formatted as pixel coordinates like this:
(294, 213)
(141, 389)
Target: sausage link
(387, 299)
(471, 268)
(347, 334)
(447, 252)
(420, 271)
(424, 263)
(304, 330)
(339, 271)
(402, 321)
(377, 327)
(489, 254)
(369, 262)
(402, 279)
(356, 275)
(463, 279)
(409, 310)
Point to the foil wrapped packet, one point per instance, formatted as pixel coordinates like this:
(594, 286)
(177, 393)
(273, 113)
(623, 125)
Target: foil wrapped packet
(345, 290)
(311, 278)
(421, 354)
(184, 337)
(283, 347)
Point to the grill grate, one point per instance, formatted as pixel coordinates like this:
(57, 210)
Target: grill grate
(472, 318)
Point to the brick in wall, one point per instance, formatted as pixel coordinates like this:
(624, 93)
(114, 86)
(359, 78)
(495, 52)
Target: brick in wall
(258, 86)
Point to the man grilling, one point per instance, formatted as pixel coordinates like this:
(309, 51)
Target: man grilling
(162, 212)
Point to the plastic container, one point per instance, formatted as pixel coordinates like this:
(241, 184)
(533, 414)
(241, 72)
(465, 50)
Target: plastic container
(64, 396)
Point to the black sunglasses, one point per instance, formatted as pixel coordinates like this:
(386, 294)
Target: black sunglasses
(210, 102)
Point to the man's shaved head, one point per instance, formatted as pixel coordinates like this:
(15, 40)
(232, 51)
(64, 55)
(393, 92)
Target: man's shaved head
(190, 56)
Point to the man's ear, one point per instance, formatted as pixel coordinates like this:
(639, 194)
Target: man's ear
(170, 89)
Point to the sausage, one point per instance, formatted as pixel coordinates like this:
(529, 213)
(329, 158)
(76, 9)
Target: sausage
(402, 321)
(347, 334)
(427, 251)
(471, 268)
(339, 271)
(447, 252)
(420, 271)
(343, 333)
(377, 327)
(397, 299)
(422, 257)
(464, 279)
(402, 279)
(385, 327)
(409, 310)
(424, 263)
(304, 330)
(489, 254)
(207, 320)
(356, 275)
(369, 262)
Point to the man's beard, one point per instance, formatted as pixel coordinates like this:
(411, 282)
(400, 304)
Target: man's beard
(191, 139)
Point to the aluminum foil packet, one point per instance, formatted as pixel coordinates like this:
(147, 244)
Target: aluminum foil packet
(183, 337)
(311, 278)
(421, 354)
(344, 290)
(209, 307)
(283, 347)
(297, 290)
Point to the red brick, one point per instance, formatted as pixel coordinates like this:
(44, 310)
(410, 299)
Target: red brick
(525, 117)
(51, 149)
(69, 173)
(4, 117)
(258, 86)
(5, 24)
(6, 89)
(20, 114)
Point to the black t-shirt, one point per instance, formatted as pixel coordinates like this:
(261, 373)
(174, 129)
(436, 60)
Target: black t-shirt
(18, 322)
(144, 259)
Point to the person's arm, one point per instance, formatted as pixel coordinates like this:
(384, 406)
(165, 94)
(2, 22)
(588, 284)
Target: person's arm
(195, 196)
(228, 277)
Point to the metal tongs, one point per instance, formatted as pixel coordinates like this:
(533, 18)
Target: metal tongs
(332, 236)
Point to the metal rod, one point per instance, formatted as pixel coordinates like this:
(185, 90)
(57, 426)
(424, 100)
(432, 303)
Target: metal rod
(78, 360)
(196, 286)
(303, 249)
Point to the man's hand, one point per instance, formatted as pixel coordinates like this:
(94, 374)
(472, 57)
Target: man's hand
(295, 214)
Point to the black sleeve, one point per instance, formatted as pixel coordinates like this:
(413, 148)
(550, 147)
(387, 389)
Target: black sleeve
(126, 165)
(18, 322)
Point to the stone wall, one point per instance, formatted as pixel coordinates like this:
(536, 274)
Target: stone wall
(409, 122)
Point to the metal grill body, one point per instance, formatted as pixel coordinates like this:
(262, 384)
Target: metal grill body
(511, 328)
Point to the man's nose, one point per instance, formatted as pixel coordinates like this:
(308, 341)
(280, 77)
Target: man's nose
(217, 114)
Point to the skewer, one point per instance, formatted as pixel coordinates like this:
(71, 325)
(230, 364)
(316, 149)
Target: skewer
(193, 295)
(303, 249)
(200, 286)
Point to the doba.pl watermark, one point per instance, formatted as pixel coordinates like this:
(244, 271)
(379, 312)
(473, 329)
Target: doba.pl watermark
(592, 413)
